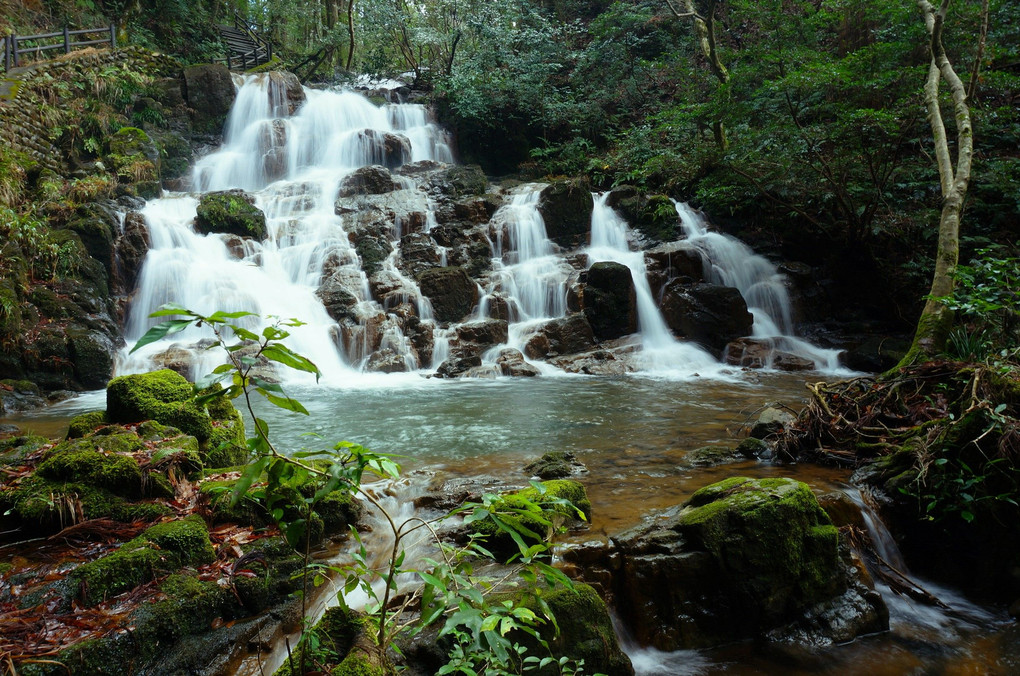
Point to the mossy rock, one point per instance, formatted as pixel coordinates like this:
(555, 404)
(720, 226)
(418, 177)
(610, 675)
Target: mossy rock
(585, 632)
(161, 549)
(82, 461)
(226, 446)
(230, 211)
(770, 538)
(339, 511)
(85, 423)
(335, 635)
(535, 528)
(164, 396)
(246, 512)
(55, 504)
(709, 456)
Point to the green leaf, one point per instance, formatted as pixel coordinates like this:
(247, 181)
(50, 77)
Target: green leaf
(283, 402)
(159, 331)
(284, 355)
(170, 309)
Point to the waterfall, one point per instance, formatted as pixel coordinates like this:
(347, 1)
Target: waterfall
(660, 350)
(293, 166)
(730, 262)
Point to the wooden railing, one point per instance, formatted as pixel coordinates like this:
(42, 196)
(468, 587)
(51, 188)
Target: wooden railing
(17, 47)
(262, 49)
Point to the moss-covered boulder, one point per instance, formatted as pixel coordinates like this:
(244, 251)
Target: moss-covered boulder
(161, 549)
(232, 212)
(742, 558)
(654, 216)
(451, 291)
(84, 424)
(164, 396)
(585, 632)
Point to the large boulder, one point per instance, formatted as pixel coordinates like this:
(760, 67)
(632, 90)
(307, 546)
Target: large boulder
(384, 148)
(370, 180)
(566, 208)
(285, 92)
(232, 212)
(609, 300)
(568, 335)
(742, 558)
(210, 92)
(477, 337)
(164, 396)
(451, 291)
(460, 180)
(337, 297)
(711, 314)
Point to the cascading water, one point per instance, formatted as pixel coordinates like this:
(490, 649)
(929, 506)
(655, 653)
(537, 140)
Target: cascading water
(730, 262)
(294, 165)
(660, 350)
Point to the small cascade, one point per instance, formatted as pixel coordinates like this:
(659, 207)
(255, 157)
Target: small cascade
(526, 270)
(729, 262)
(661, 352)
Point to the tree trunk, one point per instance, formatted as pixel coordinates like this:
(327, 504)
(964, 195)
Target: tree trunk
(350, 34)
(704, 30)
(936, 319)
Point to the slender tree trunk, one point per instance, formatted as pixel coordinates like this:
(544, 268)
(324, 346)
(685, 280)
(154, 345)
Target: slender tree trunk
(350, 34)
(936, 319)
(704, 30)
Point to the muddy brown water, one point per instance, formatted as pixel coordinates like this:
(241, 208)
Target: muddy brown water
(632, 434)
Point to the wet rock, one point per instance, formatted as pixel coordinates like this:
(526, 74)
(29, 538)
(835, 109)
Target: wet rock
(594, 363)
(784, 361)
(566, 208)
(370, 180)
(457, 181)
(418, 253)
(712, 315)
(422, 337)
(842, 510)
(92, 353)
(272, 148)
(130, 251)
(569, 335)
(609, 300)
(875, 354)
(752, 353)
(454, 367)
(232, 212)
(710, 456)
(484, 334)
(336, 296)
(742, 558)
(96, 225)
(674, 260)
(385, 148)
(210, 93)
(373, 250)
(476, 210)
(771, 421)
(19, 395)
(452, 292)
(175, 358)
(555, 465)
(286, 83)
(511, 363)
(446, 492)
(386, 361)
(754, 448)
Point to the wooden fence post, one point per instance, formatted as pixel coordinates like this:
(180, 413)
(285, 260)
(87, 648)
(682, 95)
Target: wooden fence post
(113, 36)
(67, 42)
(14, 49)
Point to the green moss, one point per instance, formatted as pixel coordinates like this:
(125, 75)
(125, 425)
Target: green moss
(246, 512)
(231, 212)
(14, 450)
(770, 536)
(339, 510)
(84, 463)
(164, 396)
(357, 664)
(159, 550)
(585, 630)
(85, 424)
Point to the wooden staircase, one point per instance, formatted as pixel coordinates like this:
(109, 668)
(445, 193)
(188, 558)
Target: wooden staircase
(246, 49)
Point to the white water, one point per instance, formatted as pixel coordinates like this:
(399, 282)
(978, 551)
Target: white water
(293, 165)
(730, 262)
